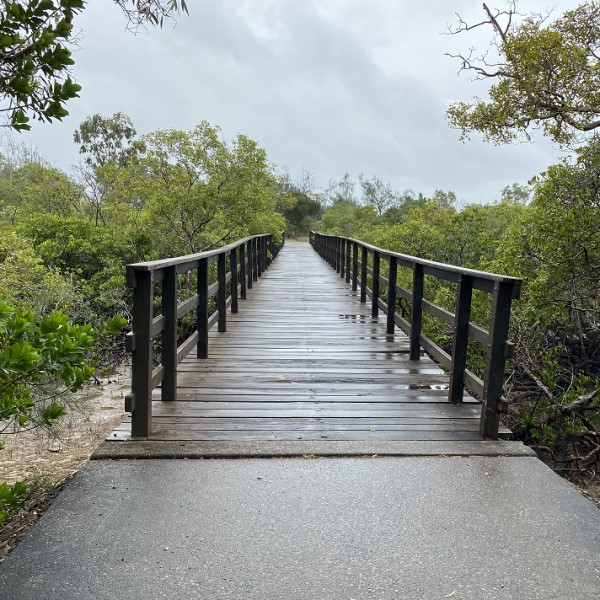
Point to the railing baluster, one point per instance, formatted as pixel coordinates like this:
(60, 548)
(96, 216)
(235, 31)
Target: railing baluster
(250, 268)
(375, 284)
(461, 338)
(169, 337)
(416, 320)
(233, 267)
(342, 269)
(354, 266)
(243, 276)
(494, 370)
(222, 293)
(391, 295)
(141, 362)
(254, 260)
(363, 274)
(348, 274)
(202, 309)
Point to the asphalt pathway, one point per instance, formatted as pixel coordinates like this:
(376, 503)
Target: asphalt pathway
(481, 528)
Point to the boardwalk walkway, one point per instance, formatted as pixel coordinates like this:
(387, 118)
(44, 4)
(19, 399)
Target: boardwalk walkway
(304, 360)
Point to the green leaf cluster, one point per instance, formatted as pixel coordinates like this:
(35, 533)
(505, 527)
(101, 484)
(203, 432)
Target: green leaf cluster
(34, 59)
(546, 76)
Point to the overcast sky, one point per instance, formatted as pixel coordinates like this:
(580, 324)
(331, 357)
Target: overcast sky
(326, 86)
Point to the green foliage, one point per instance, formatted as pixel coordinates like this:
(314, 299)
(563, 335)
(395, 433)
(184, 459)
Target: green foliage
(194, 191)
(104, 140)
(12, 497)
(34, 187)
(35, 57)
(302, 214)
(546, 75)
(36, 37)
(41, 360)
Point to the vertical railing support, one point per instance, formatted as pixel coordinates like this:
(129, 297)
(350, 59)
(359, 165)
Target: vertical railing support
(494, 370)
(202, 310)
(342, 270)
(169, 337)
(416, 320)
(233, 267)
(243, 275)
(254, 260)
(348, 251)
(364, 259)
(461, 338)
(338, 255)
(222, 293)
(391, 296)
(141, 365)
(354, 266)
(375, 284)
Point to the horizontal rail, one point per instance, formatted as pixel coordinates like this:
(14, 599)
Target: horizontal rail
(233, 267)
(360, 263)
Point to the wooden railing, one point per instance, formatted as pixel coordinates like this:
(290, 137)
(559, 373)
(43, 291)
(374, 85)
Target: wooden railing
(351, 258)
(238, 264)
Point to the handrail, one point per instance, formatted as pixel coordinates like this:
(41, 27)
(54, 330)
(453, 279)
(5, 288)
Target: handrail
(350, 258)
(238, 264)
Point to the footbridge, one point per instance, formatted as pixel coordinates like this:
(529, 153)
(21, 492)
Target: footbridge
(261, 340)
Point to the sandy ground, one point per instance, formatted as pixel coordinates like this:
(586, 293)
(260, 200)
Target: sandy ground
(54, 456)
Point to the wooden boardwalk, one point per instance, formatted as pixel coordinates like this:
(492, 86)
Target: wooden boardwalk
(304, 360)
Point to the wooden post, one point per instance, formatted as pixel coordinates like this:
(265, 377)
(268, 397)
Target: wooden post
(141, 360)
(391, 295)
(375, 284)
(461, 338)
(348, 274)
(363, 274)
(259, 263)
(222, 293)
(202, 310)
(342, 269)
(416, 321)
(233, 267)
(250, 268)
(354, 266)
(254, 259)
(494, 370)
(169, 335)
(243, 276)
(338, 255)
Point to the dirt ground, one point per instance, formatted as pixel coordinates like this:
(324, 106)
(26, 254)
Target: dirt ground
(39, 455)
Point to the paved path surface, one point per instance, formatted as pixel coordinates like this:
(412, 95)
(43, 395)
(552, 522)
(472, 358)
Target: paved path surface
(476, 528)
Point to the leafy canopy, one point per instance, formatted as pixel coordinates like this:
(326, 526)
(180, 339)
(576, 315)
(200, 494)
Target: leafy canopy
(36, 41)
(545, 75)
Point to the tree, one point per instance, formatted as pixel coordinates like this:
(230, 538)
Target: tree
(301, 216)
(104, 140)
(545, 75)
(36, 42)
(195, 192)
(555, 247)
(378, 194)
(341, 191)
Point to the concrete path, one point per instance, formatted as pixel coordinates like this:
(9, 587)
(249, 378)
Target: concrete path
(477, 528)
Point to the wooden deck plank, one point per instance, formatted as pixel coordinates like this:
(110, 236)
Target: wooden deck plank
(304, 359)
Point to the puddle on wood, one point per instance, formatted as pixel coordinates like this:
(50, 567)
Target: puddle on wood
(359, 318)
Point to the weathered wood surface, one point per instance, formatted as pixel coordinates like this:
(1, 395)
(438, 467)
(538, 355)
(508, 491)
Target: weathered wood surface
(303, 359)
